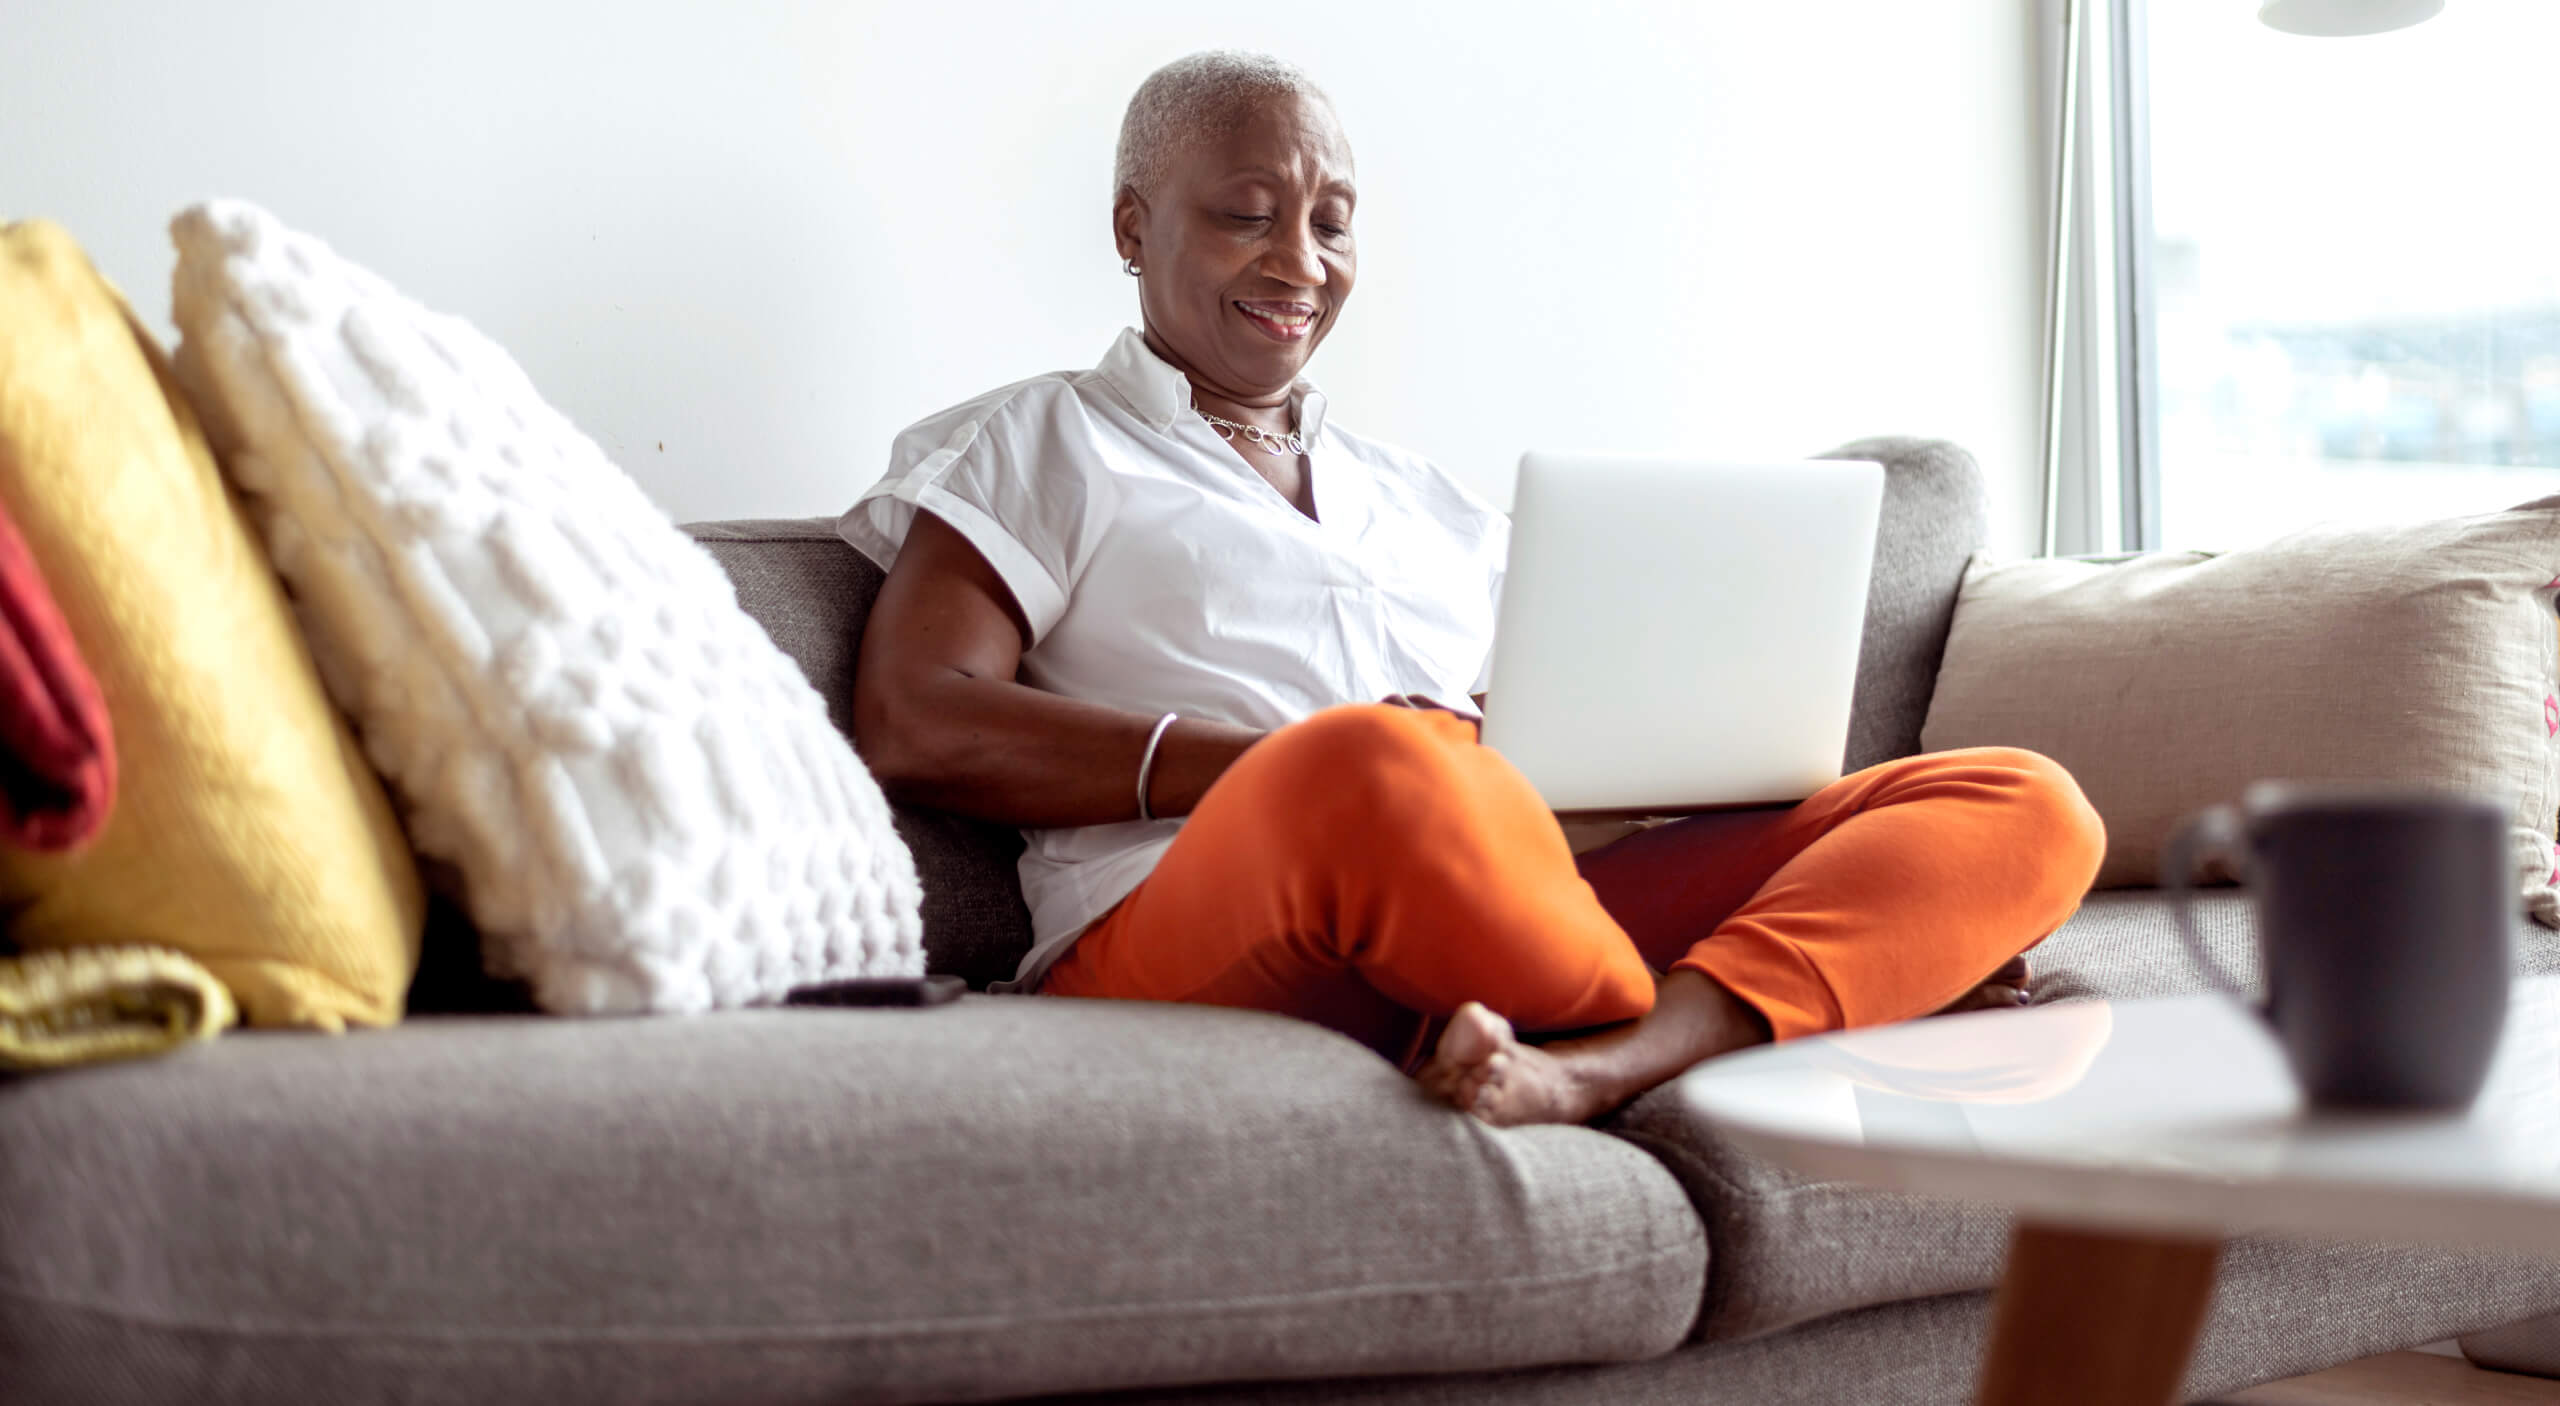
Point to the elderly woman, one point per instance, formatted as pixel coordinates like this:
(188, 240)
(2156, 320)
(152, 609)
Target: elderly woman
(1149, 613)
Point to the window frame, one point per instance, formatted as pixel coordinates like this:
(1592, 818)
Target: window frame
(2137, 389)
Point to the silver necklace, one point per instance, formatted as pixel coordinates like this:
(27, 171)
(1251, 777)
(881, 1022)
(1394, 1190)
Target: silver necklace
(1286, 442)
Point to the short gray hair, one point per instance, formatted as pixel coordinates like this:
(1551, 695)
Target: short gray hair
(1202, 94)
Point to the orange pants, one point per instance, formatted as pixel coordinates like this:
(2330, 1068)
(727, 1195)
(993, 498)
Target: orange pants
(1373, 867)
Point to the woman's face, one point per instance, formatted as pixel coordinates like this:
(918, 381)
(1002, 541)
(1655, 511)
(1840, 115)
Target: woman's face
(1245, 250)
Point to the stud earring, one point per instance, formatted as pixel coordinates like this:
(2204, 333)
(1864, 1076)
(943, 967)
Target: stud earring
(1129, 267)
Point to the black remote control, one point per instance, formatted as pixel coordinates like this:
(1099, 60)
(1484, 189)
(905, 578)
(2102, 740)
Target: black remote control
(882, 991)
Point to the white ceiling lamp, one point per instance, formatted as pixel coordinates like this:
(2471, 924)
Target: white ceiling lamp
(2338, 18)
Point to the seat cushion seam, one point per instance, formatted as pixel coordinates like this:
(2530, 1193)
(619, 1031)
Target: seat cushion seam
(1035, 1317)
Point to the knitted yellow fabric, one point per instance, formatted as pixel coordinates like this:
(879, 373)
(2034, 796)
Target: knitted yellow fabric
(86, 1004)
(248, 831)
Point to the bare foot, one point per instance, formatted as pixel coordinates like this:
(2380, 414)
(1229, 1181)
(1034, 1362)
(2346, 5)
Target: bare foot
(1482, 1068)
(2005, 989)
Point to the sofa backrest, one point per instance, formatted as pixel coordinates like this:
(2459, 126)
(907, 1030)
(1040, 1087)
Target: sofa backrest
(812, 592)
(1936, 516)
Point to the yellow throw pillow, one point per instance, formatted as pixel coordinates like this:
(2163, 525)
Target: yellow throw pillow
(248, 831)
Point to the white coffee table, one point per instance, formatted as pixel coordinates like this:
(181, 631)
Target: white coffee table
(2131, 1138)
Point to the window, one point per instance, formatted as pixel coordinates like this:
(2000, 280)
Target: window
(2354, 277)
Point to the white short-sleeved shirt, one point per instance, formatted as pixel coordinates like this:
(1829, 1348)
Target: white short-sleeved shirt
(1160, 573)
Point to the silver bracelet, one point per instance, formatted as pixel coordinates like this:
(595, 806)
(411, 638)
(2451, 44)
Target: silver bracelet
(1147, 764)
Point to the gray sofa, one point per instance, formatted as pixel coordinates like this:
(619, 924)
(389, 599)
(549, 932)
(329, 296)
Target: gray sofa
(1034, 1196)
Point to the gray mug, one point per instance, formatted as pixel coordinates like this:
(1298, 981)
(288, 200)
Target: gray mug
(2385, 918)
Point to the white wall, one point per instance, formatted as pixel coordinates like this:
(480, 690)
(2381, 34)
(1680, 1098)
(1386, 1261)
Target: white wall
(765, 236)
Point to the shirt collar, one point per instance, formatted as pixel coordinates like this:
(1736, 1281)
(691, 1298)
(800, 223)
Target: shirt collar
(1159, 393)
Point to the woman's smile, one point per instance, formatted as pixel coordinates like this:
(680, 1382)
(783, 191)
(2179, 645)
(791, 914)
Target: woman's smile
(1281, 321)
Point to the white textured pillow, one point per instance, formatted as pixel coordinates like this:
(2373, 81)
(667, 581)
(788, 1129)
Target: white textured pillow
(645, 802)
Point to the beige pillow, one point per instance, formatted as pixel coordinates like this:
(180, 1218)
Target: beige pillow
(2423, 655)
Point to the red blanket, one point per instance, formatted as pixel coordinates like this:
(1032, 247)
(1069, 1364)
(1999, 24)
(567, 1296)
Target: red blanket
(57, 754)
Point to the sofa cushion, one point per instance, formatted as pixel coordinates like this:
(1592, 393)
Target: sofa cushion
(1789, 1248)
(992, 1198)
(2280, 1308)
(2168, 682)
(812, 592)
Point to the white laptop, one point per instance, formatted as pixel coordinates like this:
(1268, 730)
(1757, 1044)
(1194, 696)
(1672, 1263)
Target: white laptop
(1677, 635)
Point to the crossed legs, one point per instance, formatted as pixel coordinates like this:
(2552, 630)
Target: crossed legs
(1375, 869)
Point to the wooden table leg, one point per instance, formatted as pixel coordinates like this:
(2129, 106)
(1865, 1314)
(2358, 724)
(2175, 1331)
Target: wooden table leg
(2095, 1318)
